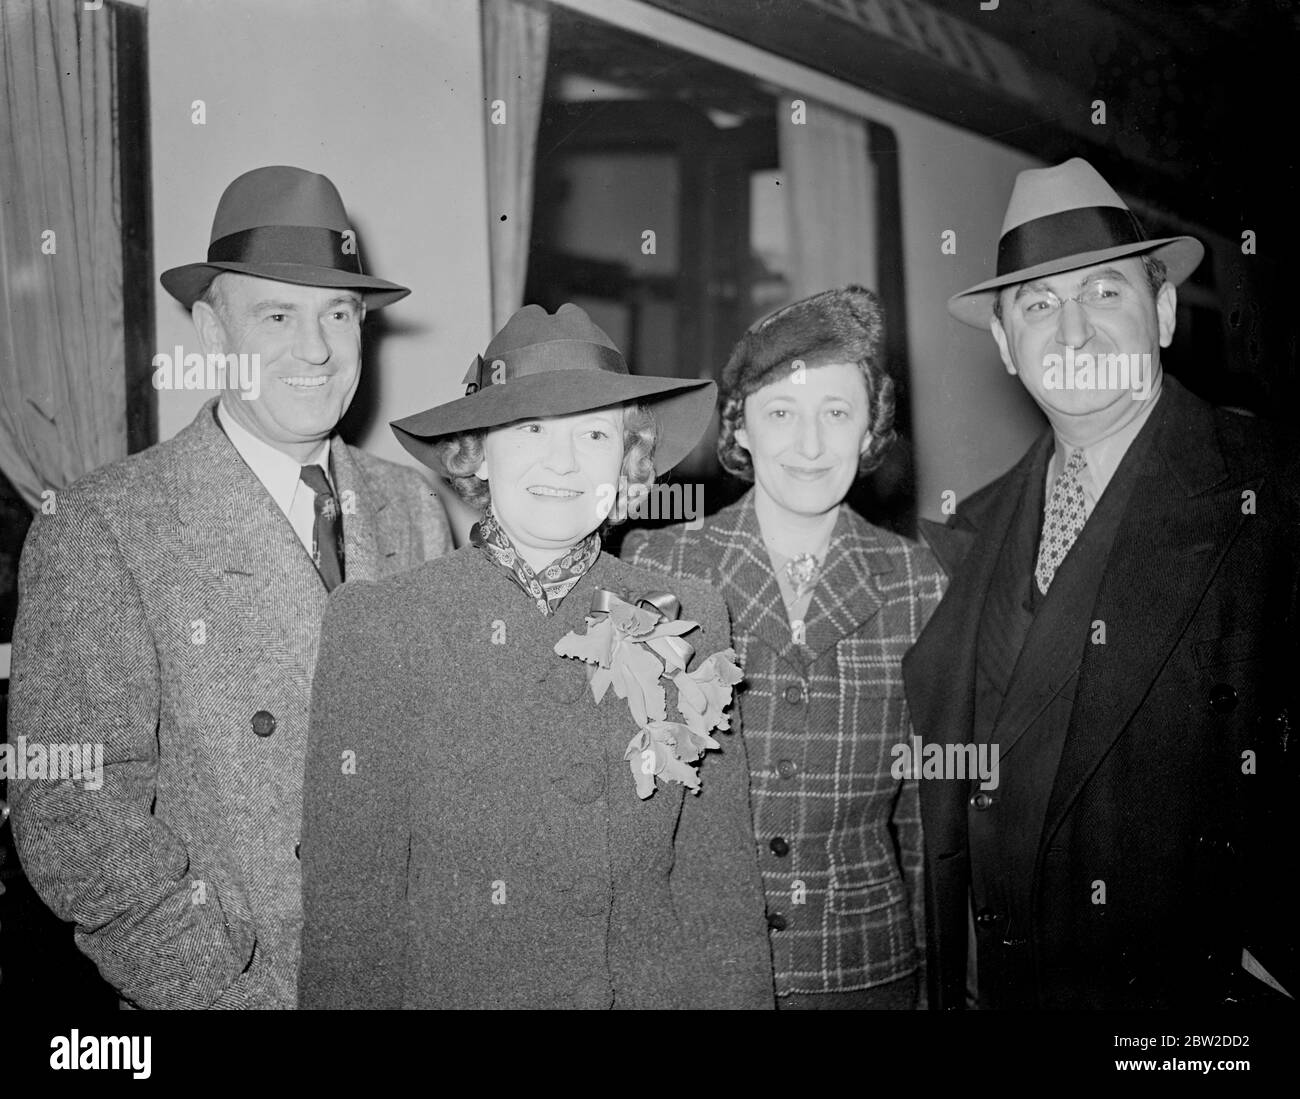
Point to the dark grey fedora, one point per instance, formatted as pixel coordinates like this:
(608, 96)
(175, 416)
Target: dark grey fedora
(542, 364)
(285, 224)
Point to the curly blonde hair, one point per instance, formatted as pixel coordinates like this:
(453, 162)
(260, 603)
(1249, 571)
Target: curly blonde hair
(461, 455)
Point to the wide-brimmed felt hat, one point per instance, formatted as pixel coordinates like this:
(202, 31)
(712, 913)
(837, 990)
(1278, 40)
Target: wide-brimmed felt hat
(1063, 218)
(285, 224)
(542, 364)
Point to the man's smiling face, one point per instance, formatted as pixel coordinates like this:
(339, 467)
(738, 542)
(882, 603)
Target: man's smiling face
(1118, 314)
(308, 339)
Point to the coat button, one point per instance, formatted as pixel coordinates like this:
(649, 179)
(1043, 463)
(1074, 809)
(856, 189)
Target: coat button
(793, 694)
(787, 768)
(297, 851)
(982, 801)
(263, 723)
(777, 922)
(1223, 699)
(779, 847)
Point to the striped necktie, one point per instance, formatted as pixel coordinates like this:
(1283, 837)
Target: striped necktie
(327, 534)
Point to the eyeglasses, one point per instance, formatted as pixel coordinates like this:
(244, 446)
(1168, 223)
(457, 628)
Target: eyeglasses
(1099, 294)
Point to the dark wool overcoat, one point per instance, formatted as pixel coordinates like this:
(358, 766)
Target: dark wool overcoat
(168, 611)
(1155, 847)
(837, 829)
(472, 834)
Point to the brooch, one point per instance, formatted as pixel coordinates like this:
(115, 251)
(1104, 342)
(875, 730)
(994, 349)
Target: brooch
(635, 643)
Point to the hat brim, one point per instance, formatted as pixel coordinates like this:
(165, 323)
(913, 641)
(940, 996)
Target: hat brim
(1181, 255)
(188, 283)
(682, 408)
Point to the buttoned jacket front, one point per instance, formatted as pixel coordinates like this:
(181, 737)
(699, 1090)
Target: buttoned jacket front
(837, 834)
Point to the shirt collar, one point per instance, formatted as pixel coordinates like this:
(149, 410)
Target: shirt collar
(279, 473)
(1102, 457)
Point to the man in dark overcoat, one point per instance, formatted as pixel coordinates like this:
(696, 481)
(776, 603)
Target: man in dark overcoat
(1120, 628)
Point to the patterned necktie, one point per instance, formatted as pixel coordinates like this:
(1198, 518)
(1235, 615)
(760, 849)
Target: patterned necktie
(1063, 518)
(327, 534)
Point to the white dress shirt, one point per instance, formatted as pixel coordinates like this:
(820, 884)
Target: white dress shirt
(1102, 457)
(280, 475)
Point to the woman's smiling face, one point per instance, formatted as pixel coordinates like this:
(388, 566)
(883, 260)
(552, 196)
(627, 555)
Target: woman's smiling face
(805, 435)
(553, 480)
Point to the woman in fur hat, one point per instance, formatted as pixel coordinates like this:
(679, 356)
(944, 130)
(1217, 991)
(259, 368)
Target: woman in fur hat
(823, 607)
(486, 822)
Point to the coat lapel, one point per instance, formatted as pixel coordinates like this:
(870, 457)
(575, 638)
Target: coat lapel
(267, 585)
(747, 582)
(1182, 515)
(939, 670)
(846, 596)
(368, 542)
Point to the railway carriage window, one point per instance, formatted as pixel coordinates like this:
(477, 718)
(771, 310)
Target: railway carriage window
(662, 206)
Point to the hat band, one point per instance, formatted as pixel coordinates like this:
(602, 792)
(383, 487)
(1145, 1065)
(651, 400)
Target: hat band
(542, 358)
(1068, 233)
(310, 245)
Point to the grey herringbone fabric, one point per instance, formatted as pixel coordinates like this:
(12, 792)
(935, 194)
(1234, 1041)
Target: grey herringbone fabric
(168, 611)
(820, 717)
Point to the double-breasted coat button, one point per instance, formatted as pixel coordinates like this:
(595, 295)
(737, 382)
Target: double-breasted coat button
(1223, 699)
(777, 922)
(787, 768)
(779, 847)
(982, 801)
(263, 723)
(793, 694)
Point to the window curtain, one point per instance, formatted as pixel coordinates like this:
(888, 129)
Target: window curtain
(515, 38)
(62, 369)
(830, 188)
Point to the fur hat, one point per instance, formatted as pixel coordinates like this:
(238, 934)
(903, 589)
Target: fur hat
(834, 326)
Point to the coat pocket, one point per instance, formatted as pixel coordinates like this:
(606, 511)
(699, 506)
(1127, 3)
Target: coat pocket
(857, 897)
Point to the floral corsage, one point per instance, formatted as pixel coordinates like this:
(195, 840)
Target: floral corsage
(634, 643)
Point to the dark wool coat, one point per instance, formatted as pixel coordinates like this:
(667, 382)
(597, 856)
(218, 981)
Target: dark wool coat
(1163, 843)
(168, 611)
(838, 836)
(490, 849)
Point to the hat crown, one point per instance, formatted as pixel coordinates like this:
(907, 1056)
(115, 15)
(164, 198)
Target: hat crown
(532, 325)
(279, 195)
(1041, 192)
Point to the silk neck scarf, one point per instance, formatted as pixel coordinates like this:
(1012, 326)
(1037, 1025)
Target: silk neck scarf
(548, 588)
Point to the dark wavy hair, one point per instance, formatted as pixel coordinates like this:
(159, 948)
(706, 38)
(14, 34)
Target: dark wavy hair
(461, 455)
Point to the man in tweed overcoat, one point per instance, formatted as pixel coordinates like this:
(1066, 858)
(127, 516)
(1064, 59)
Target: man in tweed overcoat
(169, 610)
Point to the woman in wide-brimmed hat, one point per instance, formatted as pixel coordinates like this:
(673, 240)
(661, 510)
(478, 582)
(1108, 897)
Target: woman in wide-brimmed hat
(486, 822)
(823, 606)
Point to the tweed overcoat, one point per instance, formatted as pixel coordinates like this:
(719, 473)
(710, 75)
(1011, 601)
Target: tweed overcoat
(1166, 843)
(472, 835)
(821, 715)
(168, 611)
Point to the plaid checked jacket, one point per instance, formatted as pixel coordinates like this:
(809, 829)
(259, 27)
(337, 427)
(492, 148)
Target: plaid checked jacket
(838, 837)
